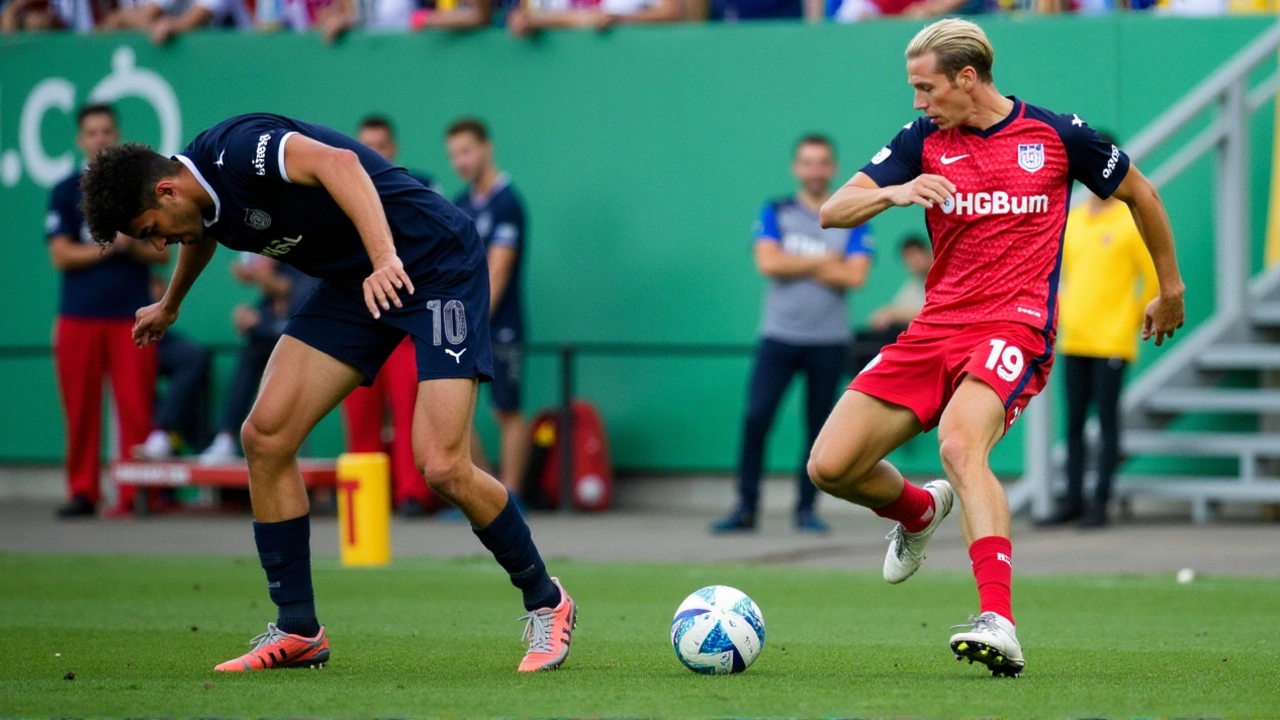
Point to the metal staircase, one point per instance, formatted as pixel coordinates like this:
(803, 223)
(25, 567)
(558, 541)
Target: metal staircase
(1239, 343)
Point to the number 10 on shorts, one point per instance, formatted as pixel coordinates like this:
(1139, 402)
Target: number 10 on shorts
(454, 325)
(1006, 360)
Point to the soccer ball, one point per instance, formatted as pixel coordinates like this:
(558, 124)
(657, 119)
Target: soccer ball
(717, 630)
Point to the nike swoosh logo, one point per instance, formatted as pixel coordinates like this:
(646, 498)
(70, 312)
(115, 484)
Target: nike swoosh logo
(947, 161)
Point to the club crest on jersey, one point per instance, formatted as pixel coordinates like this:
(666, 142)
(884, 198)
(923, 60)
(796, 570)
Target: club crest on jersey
(1031, 157)
(257, 219)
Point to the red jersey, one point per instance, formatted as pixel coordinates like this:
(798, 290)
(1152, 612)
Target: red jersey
(998, 241)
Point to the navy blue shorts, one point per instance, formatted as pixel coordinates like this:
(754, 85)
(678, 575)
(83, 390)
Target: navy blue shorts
(505, 390)
(447, 317)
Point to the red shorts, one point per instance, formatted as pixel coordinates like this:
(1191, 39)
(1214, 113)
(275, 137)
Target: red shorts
(924, 367)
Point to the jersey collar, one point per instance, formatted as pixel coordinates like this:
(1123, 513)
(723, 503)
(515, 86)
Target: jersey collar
(479, 201)
(1014, 114)
(217, 204)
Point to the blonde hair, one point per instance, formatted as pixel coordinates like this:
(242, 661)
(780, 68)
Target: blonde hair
(956, 44)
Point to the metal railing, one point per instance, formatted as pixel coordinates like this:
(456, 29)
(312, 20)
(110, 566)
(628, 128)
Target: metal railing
(1226, 91)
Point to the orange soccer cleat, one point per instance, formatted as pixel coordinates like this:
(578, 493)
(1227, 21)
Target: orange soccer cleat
(548, 632)
(278, 649)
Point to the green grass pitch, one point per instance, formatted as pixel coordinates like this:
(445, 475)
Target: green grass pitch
(438, 638)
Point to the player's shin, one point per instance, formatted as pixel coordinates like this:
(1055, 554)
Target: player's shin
(509, 539)
(284, 548)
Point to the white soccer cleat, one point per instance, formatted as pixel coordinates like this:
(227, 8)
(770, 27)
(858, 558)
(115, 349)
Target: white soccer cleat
(992, 641)
(221, 450)
(906, 550)
(157, 447)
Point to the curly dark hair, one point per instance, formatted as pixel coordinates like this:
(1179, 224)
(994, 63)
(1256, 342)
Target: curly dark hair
(119, 185)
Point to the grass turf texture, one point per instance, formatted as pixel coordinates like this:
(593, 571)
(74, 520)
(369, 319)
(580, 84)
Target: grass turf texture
(440, 638)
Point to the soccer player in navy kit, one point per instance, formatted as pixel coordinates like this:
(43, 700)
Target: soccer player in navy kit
(393, 259)
(495, 206)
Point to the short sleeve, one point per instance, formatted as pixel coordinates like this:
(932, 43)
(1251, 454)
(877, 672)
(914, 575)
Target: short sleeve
(860, 241)
(61, 219)
(508, 228)
(766, 227)
(256, 154)
(1094, 162)
(900, 160)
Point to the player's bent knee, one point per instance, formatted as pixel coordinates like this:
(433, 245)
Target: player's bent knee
(960, 453)
(832, 477)
(446, 474)
(261, 441)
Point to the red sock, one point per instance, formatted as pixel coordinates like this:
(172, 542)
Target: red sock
(913, 508)
(992, 558)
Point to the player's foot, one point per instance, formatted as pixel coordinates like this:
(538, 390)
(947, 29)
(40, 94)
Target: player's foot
(738, 521)
(548, 632)
(906, 550)
(276, 648)
(991, 641)
(1094, 518)
(1065, 513)
(412, 508)
(78, 506)
(808, 522)
(221, 450)
(159, 446)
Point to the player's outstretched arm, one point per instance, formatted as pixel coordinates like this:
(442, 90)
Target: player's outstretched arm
(1167, 312)
(151, 321)
(337, 170)
(861, 199)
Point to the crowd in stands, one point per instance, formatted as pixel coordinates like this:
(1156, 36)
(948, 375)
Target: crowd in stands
(165, 19)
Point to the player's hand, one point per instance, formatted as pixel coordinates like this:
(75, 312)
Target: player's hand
(1164, 315)
(380, 287)
(151, 322)
(925, 191)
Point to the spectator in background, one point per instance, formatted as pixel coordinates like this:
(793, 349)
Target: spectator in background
(889, 321)
(395, 387)
(101, 291)
(493, 204)
(805, 326)
(592, 14)
(1107, 280)
(735, 10)
(377, 15)
(849, 11)
(283, 290)
(34, 15)
(296, 15)
(182, 411)
(165, 19)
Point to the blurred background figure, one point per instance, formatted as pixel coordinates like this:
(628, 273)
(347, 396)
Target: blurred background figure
(283, 289)
(805, 327)
(165, 19)
(182, 410)
(498, 212)
(101, 290)
(1107, 281)
(592, 14)
(889, 321)
(364, 411)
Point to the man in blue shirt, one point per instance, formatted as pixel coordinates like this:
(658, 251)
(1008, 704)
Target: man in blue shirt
(805, 327)
(102, 287)
(495, 206)
(394, 259)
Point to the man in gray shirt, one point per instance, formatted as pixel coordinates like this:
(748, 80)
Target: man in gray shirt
(805, 325)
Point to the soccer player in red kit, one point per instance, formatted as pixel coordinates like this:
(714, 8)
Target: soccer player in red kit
(994, 176)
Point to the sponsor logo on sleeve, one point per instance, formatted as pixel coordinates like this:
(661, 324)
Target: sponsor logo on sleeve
(1111, 162)
(257, 219)
(881, 156)
(505, 233)
(52, 221)
(260, 157)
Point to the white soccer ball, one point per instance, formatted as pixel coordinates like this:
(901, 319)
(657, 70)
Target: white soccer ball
(717, 630)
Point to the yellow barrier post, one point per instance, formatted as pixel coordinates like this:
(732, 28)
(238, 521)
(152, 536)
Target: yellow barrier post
(364, 509)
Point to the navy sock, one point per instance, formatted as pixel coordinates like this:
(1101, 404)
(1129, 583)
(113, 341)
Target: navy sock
(284, 548)
(511, 543)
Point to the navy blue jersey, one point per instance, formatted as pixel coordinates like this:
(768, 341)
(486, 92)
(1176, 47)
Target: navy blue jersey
(113, 288)
(240, 162)
(500, 221)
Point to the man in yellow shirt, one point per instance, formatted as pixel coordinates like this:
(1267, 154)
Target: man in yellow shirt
(1107, 281)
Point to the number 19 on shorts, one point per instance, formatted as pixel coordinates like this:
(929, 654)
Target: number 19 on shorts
(1006, 360)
